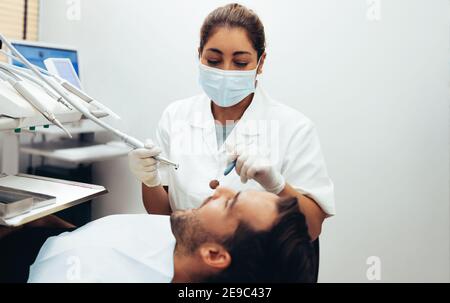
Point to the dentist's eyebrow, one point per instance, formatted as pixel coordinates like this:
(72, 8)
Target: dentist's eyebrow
(241, 53)
(215, 50)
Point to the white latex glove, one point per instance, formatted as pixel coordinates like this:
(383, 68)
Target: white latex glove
(251, 164)
(144, 166)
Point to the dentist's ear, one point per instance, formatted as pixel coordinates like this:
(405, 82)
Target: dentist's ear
(215, 256)
(261, 63)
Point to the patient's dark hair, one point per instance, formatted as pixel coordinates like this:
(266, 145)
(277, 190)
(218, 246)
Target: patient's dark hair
(283, 254)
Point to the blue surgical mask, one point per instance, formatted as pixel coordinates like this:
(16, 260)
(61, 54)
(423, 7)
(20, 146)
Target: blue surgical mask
(227, 87)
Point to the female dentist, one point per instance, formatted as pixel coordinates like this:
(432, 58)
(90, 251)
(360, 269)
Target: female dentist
(276, 148)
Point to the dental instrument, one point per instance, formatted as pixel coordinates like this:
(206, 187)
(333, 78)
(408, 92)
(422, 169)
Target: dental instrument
(56, 66)
(23, 73)
(229, 168)
(60, 90)
(216, 183)
(18, 85)
(68, 86)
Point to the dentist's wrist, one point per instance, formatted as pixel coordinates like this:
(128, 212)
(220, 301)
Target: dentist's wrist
(152, 185)
(153, 182)
(277, 186)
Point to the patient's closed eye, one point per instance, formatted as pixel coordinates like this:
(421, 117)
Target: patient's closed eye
(207, 200)
(232, 202)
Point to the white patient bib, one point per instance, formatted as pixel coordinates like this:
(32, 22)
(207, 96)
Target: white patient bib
(119, 248)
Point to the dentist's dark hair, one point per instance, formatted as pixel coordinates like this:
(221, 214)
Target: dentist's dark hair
(234, 15)
(282, 254)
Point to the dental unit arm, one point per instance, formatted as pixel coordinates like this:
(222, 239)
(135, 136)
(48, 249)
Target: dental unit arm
(59, 87)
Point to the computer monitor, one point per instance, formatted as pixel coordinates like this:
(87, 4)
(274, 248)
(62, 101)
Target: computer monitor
(63, 68)
(37, 52)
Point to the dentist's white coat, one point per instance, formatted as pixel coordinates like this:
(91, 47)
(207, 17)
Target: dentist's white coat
(186, 133)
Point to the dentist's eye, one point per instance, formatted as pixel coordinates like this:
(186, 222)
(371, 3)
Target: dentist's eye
(213, 62)
(241, 64)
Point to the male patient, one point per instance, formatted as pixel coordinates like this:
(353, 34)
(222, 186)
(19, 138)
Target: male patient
(233, 237)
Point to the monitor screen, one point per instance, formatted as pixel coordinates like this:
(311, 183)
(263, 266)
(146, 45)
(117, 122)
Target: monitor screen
(64, 69)
(37, 54)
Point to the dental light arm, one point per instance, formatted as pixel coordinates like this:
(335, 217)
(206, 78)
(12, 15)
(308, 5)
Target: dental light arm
(59, 89)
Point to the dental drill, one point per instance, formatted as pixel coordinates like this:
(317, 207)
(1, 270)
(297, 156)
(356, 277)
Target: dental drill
(68, 86)
(58, 88)
(23, 73)
(18, 85)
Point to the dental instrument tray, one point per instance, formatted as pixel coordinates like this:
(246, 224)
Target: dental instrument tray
(14, 202)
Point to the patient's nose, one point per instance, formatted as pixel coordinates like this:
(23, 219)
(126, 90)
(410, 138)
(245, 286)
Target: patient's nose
(224, 192)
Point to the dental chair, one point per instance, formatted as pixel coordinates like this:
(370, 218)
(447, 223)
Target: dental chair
(316, 259)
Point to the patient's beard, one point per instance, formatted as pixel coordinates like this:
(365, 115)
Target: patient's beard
(188, 231)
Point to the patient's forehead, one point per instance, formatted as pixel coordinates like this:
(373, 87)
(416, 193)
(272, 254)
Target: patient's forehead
(259, 209)
(260, 195)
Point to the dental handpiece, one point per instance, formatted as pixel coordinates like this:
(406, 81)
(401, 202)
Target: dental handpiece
(68, 86)
(87, 98)
(18, 85)
(24, 74)
(59, 89)
(36, 103)
(133, 142)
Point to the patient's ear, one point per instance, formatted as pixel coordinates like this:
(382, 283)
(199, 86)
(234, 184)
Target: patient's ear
(215, 255)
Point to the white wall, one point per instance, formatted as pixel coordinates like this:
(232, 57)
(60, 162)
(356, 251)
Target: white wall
(377, 91)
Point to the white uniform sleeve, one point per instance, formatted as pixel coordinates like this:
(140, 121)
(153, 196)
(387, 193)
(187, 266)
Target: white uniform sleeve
(305, 170)
(163, 141)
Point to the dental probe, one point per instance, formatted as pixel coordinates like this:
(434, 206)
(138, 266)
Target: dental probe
(216, 183)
